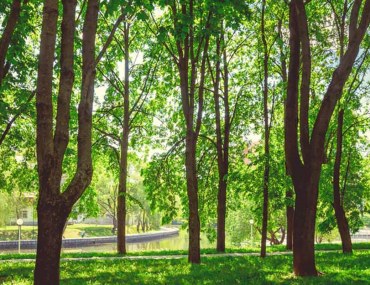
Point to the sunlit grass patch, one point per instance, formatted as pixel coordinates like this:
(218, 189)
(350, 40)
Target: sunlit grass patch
(337, 268)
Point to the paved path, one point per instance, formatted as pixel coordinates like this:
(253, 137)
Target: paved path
(156, 257)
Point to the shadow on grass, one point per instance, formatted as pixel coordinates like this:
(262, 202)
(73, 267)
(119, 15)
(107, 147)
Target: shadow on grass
(337, 269)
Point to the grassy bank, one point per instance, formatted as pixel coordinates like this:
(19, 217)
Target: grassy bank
(72, 231)
(337, 269)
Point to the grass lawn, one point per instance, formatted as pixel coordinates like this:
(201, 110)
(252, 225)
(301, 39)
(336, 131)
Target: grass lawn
(337, 269)
(275, 248)
(72, 231)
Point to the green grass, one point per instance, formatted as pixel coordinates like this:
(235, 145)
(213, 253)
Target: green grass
(72, 231)
(11, 232)
(278, 248)
(337, 269)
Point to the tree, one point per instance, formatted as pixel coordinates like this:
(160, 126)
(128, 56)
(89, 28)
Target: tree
(223, 126)
(306, 172)
(192, 43)
(54, 205)
(266, 173)
(16, 62)
(126, 113)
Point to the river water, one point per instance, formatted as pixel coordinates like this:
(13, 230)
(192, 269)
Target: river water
(179, 242)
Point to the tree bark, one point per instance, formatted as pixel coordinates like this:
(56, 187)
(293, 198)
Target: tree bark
(290, 221)
(54, 206)
(187, 63)
(222, 140)
(304, 225)
(121, 209)
(266, 174)
(51, 220)
(340, 214)
(192, 190)
(306, 174)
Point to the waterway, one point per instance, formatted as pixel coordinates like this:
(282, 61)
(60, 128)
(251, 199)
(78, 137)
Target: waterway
(179, 242)
(172, 243)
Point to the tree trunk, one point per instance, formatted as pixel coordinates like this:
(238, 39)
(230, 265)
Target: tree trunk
(343, 228)
(306, 174)
(121, 209)
(54, 205)
(221, 212)
(192, 190)
(340, 214)
(290, 221)
(304, 226)
(49, 242)
(222, 141)
(266, 174)
(7, 35)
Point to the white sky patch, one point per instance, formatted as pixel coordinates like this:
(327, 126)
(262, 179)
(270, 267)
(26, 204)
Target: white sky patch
(99, 94)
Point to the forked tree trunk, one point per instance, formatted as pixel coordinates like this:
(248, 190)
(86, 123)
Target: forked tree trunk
(306, 174)
(340, 214)
(187, 64)
(54, 205)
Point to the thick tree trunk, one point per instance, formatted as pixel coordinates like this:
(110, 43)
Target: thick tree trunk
(340, 214)
(192, 189)
(304, 226)
(306, 173)
(51, 220)
(290, 221)
(54, 205)
(121, 209)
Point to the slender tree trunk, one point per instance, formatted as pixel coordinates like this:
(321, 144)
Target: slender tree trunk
(192, 189)
(187, 62)
(221, 211)
(7, 35)
(290, 221)
(222, 141)
(343, 228)
(340, 214)
(266, 174)
(121, 209)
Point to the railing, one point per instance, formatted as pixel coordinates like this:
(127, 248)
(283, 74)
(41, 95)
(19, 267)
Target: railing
(90, 241)
(360, 236)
